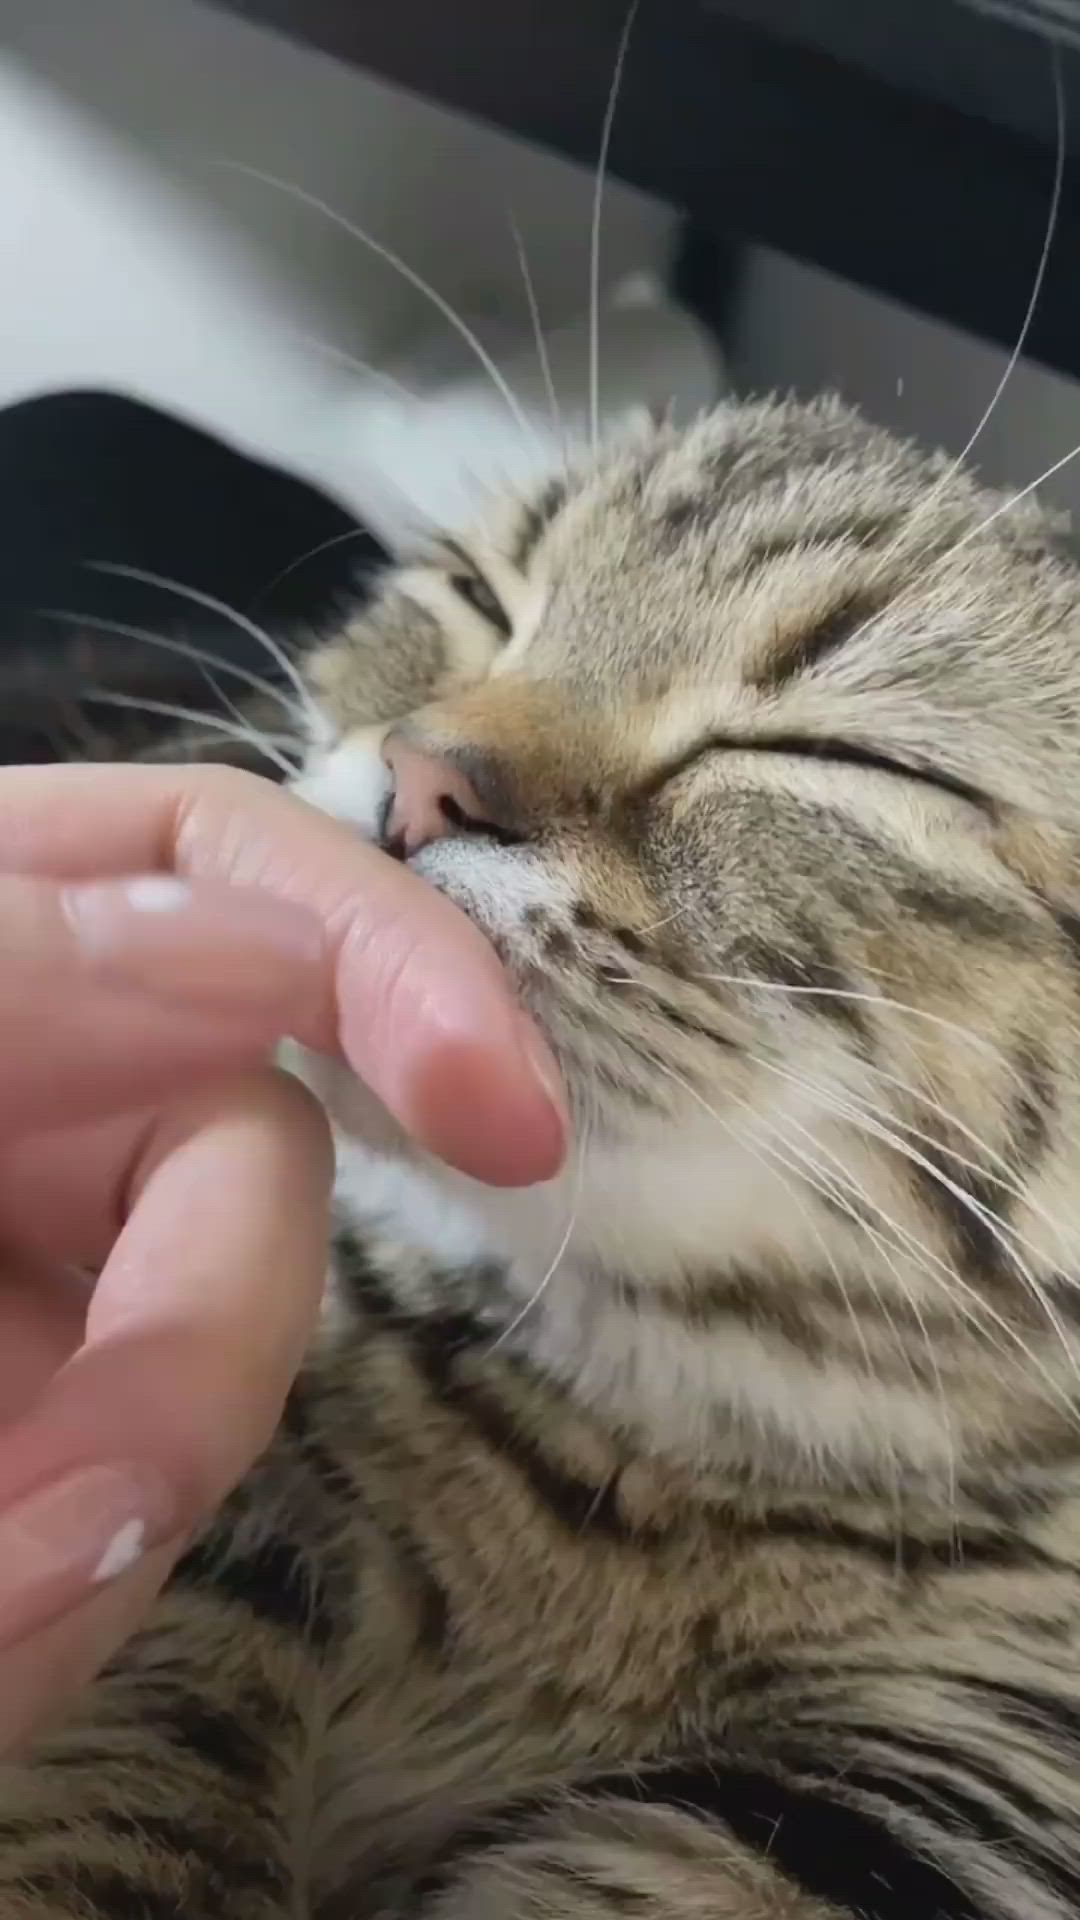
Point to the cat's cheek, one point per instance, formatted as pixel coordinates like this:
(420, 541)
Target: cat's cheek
(351, 782)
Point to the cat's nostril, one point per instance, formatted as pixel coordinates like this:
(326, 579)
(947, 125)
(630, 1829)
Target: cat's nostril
(430, 799)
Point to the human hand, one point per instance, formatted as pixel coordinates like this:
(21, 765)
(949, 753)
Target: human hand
(144, 1140)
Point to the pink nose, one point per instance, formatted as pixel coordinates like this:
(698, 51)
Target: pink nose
(430, 798)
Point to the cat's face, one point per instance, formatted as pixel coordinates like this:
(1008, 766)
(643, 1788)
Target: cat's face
(772, 751)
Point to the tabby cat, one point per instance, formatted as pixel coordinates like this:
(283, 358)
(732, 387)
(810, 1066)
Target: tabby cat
(697, 1534)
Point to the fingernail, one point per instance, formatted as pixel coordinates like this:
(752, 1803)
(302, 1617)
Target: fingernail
(205, 946)
(61, 1541)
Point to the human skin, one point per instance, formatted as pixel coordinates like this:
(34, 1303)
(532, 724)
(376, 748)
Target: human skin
(160, 930)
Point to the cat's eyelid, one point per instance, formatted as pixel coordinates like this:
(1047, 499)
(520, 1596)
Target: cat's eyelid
(831, 752)
(471, 584)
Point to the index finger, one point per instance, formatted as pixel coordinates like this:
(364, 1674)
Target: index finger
(420, 1005)
(193, 1337)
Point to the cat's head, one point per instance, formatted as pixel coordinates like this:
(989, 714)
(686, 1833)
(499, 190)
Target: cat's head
(755, 751)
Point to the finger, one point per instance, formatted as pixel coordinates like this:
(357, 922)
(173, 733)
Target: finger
(42, 1675)
(42, 1323)
(194, 1335)
(423, 1011)
(114, 993)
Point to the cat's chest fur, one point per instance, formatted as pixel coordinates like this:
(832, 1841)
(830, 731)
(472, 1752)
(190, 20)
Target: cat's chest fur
(543, 1579)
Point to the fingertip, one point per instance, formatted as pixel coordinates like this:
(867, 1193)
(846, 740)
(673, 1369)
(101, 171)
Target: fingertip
(492, 1110)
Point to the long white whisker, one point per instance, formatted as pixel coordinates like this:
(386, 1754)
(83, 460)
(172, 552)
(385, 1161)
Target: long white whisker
(1040, 272)
(967, 1034)
(392, 259)
(365, 368)
(805, 1174)
(557, 1257)
(542, 354)
(833, 1190)
(597, 212)
(208, 721)
(1014, 500)
(201, 656)
(324, 546)
(195, 597)
(1006, 1180)
(1007, 1237)
(899, 1006)
(955, 1278)
(947, 1277)
(1025, 328)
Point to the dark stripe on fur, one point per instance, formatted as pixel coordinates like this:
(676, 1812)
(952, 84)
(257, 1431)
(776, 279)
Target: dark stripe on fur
(961, 1202)
(971, 915)
(832, 1849)
(809, 963)
(938, 1761)
(233, 1866)
(1033, 1109)
(89, 1892)
(437, 1342)
(536, 522)
(274, 1581)
(334, 1480)
(985, 914)
(802, 651)
(860, 530)
(906, 1552)
(966, 1816)
(220, 1740)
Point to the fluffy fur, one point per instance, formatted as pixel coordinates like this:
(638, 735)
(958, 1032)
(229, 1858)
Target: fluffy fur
(697, 1534)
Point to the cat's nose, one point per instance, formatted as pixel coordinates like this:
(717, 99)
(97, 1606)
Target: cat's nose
(429, 798)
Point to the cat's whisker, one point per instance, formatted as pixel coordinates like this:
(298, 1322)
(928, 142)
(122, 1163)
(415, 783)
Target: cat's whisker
(312, 553)
(194, 596)
(378, 376)
(265, 744)
(1005, 1180)
(558, 1256)
(753, 983)
(838, 1196)
(184, 649)
(828, 1100)
(597, 215)
(558, 425)
(1007, 1236)
(851, 1108)
(967, 1034)
(972, 1308)
(382, 252)
(954, 467)
(667, 921)
(924, 1257)
(798, 1164)
(1013, 500)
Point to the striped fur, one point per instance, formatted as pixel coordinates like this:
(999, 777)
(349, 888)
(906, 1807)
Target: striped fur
(699, 1534)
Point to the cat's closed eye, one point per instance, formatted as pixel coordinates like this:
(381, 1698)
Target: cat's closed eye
(838, 752)
(475, 591)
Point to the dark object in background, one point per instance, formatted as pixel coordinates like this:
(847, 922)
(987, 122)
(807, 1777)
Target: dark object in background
(907, 145)
(90, 477)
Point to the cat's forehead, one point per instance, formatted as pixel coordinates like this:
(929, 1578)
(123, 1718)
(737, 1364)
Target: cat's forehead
(770, 537)
(706, 553)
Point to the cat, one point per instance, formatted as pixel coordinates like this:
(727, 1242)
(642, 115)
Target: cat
(696, 1534)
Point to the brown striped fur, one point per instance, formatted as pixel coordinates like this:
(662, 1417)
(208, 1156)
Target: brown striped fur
(697, 1535)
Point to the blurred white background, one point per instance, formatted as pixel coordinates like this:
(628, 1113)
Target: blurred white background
(132, 259)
